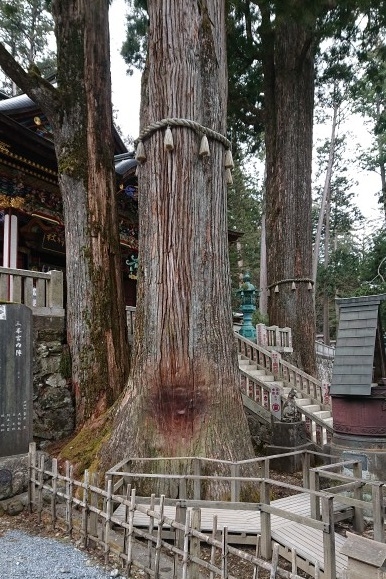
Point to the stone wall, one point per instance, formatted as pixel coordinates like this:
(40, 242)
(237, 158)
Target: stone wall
(324, 368)
(53, 407)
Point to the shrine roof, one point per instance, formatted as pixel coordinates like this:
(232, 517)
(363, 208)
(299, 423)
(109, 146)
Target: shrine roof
(125, 164)
(360, 353)
(17, 104)
(26, 113)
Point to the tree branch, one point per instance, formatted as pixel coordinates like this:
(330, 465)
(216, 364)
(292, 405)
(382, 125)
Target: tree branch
(37, 88)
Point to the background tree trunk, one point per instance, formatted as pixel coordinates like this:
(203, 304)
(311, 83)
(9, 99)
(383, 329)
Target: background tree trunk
(80, 114)
(288, 88)
(184, 394)
(84, 148)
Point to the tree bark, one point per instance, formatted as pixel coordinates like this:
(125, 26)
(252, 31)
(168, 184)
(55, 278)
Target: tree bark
(288, 66)
(184, 397)
(325, 194)
(80, 113)
(326, 299)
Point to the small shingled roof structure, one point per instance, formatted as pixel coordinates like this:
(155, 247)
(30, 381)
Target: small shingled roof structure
(360, 361)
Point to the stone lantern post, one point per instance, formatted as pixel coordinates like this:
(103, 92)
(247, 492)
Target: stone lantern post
(247, 296)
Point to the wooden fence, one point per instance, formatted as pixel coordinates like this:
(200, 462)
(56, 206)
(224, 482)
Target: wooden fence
(274, 338)
(83, 506)
(361, 495)
(42, 292)
(188, 487)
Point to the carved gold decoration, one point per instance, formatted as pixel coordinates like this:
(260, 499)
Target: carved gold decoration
(4, 147)
(7, 202)
(29, 171)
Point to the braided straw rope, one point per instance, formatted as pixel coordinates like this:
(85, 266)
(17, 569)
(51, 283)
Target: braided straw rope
(174, 122)
(290, 280)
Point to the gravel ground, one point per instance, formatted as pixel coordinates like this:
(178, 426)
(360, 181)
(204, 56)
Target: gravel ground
(25, 556)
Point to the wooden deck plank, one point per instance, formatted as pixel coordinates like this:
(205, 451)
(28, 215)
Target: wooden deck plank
(308, 542)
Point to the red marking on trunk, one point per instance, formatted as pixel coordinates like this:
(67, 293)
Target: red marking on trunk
(176, 409)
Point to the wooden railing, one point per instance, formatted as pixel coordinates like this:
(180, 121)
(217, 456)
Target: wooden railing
(263, 466)
(274, 338)
(130, 320)
(362, 495)
(262, 394)
(83, 507)
(231, 479)
(42, 292)
(324, 351)
(282, 370)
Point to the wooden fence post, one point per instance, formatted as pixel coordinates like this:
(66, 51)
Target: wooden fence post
(235, 484)
(314, 499)
(108, 504)
(150, 547)
(69, 489)
(224, 554)
(329, 537)
(182, 488)
(40, 487)
(359, 523)
(378, 512)
(306, 464)
(131, 534)
(181, 511)
(265, 518)
(85, 507)
(197, 481)
(185, 558)
(195, 543)
(158, 546)
(93, 516)
(213, 548)
(55, 290)
(54, 491)
(31, 472)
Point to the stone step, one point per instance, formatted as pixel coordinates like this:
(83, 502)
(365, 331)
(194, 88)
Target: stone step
(323, 414)
(262, 377)
(253, 371)
(279, 384)
(303, 401)
(328, 421)
(247, 367)
(245, 362)
(311, 408)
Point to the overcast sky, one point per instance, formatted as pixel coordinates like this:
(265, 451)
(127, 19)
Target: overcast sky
(126, 89)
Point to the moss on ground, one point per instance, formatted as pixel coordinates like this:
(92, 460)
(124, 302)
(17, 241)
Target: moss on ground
(83, 449)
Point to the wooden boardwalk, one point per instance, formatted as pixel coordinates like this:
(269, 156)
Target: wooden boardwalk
(244, 525)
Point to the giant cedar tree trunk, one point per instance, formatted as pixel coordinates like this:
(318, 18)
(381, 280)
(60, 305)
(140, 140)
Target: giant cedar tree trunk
(184, 396)
(288, 66)
(79, 111)
(84, 148)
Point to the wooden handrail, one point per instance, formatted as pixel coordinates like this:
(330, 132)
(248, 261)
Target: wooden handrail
(285, 371)
(41, 291)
